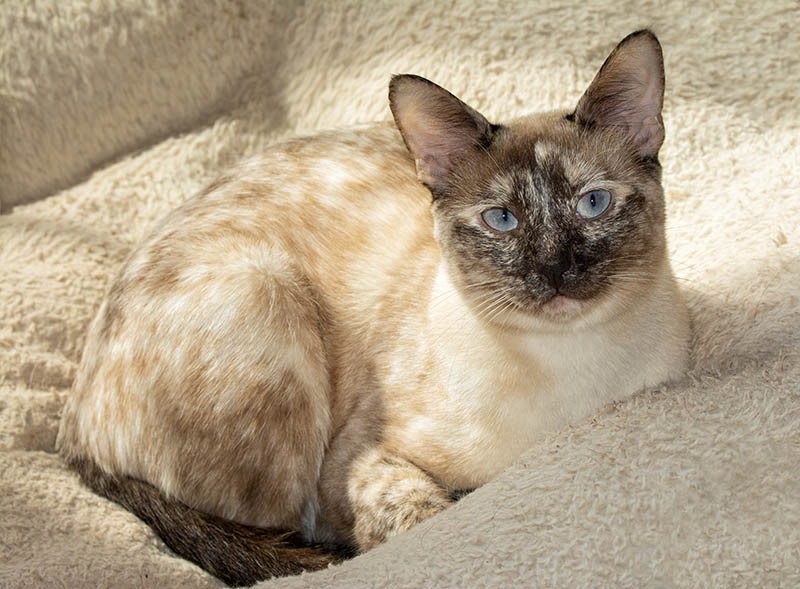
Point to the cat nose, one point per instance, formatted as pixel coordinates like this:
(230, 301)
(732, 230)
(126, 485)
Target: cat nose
(554, 272)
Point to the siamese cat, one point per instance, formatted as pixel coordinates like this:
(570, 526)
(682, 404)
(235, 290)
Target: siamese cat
(335, 338)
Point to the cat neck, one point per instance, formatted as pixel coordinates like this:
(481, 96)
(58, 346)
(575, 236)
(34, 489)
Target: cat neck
(566, 371)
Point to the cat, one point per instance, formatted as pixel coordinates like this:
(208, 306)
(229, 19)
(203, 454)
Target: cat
(337, 337)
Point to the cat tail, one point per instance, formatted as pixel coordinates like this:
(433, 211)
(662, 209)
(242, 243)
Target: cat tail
(237, 554)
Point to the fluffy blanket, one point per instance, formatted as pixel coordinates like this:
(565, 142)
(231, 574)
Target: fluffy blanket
(113, 112)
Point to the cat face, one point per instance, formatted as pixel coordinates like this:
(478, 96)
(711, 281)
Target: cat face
(552, 218)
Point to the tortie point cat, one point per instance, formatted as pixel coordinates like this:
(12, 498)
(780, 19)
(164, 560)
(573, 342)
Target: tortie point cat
(334, 338)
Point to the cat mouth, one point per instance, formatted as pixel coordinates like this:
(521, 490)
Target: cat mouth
(560, 306)
(556, 306)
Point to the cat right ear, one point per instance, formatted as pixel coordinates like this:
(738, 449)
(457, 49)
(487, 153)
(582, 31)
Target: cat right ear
(437, 127)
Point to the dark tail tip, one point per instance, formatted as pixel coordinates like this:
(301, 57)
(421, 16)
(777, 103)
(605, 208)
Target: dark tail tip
(238, 555)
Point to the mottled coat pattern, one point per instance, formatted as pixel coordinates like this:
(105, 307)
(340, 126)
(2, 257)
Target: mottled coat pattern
(332, 340)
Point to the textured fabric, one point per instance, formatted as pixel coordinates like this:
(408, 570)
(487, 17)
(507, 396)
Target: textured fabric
(113, 112)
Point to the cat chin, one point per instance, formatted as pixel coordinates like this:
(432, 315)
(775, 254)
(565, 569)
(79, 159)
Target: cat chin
(561, 306)
(566, 312)
(563, 313)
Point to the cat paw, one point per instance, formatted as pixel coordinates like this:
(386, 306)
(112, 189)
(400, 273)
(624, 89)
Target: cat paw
(392, 497)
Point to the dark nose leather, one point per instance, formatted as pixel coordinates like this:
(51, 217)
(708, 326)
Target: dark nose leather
(554, 272)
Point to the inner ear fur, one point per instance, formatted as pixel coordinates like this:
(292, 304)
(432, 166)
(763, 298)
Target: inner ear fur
(628, 93)
(437, 127)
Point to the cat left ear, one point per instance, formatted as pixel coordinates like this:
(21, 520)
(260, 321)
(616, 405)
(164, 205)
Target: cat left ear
(437, 127)
(628, 92)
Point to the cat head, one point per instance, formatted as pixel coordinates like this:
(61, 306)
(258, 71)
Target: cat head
(554, 218)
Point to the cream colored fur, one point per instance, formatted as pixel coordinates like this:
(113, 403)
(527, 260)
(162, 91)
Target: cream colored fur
(692, 485)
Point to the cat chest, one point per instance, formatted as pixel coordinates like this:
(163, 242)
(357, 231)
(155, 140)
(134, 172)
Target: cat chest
(489, 410)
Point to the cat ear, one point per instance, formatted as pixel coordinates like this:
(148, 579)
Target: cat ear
(436, 126)
(628, 92)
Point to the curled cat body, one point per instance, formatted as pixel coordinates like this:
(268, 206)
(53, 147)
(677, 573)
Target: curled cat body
(338, 335)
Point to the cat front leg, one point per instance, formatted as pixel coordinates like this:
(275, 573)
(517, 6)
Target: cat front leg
(388, 495)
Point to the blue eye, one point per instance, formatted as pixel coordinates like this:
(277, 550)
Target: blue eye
(500, 219)
(593, 204)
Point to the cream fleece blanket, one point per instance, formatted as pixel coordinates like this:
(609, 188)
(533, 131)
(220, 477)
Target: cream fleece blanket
(113, 112)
